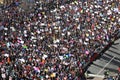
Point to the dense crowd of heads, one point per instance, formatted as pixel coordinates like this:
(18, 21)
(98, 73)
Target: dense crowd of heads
(43, 44)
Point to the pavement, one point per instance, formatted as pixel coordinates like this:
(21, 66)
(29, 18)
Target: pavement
(110, 60)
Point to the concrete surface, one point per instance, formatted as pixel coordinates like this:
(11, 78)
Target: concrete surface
(109, 61)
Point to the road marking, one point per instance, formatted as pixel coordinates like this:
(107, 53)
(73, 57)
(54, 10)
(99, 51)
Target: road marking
(105, 66)
(94, 75)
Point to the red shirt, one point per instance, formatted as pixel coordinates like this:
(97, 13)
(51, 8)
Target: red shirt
(119, 69)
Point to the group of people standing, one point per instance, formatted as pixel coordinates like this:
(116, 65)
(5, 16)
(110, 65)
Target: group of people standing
(43, 44)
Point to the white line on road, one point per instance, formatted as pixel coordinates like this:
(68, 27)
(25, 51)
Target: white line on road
(105, 66)
(94, 75)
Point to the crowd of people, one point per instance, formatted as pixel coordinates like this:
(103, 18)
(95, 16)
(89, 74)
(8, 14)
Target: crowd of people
(43, 44)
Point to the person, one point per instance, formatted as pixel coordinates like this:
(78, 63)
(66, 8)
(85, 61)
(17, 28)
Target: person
(117, 77)
(119, 70)
(110, 78)
(106, 74)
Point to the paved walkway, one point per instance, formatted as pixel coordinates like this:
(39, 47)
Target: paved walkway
(95, 77)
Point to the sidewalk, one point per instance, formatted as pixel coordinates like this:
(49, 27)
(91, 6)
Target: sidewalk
(95, 77)
(98, 77)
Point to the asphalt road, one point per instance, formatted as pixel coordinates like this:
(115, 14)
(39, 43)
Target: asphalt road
(110, 60)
